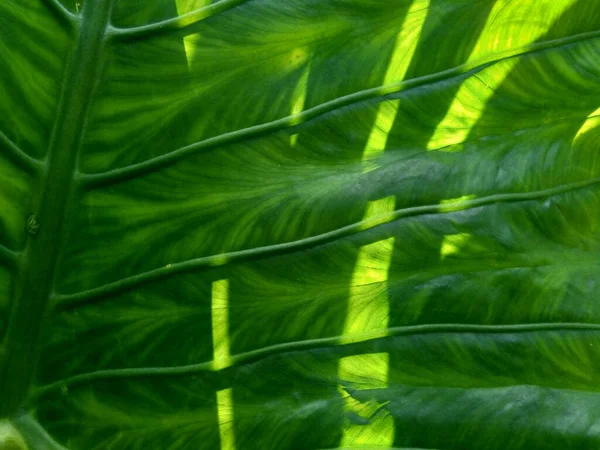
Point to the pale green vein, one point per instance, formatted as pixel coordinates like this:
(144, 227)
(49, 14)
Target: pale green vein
(58, 8)
(72, 300)
(175, 23)
(294, 120)
(309, 344)
(8, 256)
(36, 435)
(18, 155)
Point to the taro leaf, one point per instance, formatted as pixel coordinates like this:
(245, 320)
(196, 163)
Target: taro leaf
(300, 224)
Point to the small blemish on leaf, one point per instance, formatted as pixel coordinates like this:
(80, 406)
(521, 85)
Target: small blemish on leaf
(32, 226)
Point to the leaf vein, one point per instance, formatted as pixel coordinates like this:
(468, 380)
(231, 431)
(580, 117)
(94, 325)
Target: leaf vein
(63, 301)
(58, 8)
(19, 156)
(309, 344)
(294, 120)
(175, 23)
(8, 256)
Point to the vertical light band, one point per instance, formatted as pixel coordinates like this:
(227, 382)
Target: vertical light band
(222, 359)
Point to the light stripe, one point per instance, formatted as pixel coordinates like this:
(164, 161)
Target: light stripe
(452, 243)
(471, 99)
(368, 310)
(225, 415)
(222, 359)
(506, 21)
(189, 42)
(368, 304)
(404, 49)
(299, 98)
(468, 106)
(220, 324)
(592, 121)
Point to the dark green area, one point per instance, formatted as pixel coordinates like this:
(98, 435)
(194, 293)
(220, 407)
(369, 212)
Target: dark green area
(198, 200)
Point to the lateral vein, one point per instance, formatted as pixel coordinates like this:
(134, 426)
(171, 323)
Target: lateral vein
(294, 120)
(309, 344)
(66, 301)
(19, 156)
(175, 23)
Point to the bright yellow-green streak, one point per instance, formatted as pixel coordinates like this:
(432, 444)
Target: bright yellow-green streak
(222, 359)
(299, 96)
(368, 310)
(468, 106)
(452, 243)
(225, 415)
(368, 304)
(591, 122)
(506, 28)
(405, 46)
(189, 42)
(220, 324)
(10, 438)
(474, 94)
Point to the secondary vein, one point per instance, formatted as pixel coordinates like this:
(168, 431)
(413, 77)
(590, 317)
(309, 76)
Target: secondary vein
(309, 344)
(65, 301)
(175, 23)
(294, 120)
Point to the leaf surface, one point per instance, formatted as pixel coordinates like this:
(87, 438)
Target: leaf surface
(301, 224)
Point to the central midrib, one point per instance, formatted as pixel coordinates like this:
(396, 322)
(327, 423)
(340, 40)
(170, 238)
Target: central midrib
(43, 252)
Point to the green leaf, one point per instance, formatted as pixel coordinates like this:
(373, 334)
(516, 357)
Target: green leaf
(299, 224)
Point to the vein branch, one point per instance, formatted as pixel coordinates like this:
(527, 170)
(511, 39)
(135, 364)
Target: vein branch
(66, 301)
(19, 156)
(294, 120)
(175, 23)
(8, 256)
(58, 8)
(309, 344)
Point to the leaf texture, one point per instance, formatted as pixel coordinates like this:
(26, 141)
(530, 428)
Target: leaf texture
(300, 224)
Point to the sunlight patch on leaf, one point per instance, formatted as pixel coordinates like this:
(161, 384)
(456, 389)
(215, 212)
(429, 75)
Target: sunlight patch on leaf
(452, 243)
(10, 438)
(220, 324)
(368, 304)
(468, 106)
(397, 67)
(386, 115)
(382, 206)
(367, 423)
(507, 26)
(225, 415)
(593, 120)
(189, 42)
(368, 310)
(449, 204)
(222, 359)
(471, 99)
(299, 95)
(378, 212)
(464, 198)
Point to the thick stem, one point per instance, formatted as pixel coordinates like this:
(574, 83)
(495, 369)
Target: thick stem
(43, 250)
